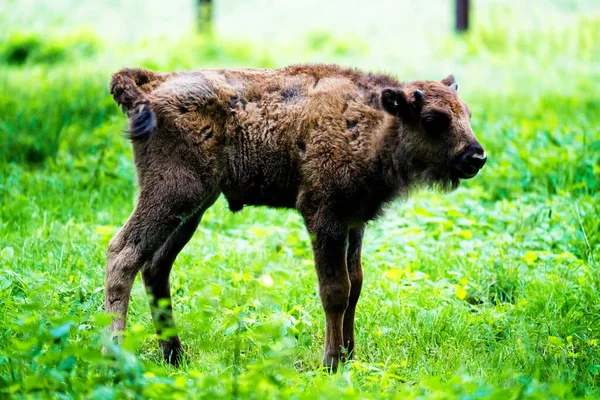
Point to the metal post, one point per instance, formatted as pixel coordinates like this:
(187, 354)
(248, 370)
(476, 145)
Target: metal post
(462, 15)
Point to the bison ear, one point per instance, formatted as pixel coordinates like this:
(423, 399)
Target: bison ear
(450, 81)
(395, 102)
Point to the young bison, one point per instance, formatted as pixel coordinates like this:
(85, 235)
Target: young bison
(336, 144)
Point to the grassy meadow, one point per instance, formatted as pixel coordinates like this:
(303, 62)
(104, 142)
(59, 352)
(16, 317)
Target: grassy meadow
(491, 291)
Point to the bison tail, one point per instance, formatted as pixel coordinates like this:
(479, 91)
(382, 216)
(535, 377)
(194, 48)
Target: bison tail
(126, 88)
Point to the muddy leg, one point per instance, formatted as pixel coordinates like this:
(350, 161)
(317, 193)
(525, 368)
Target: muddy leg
(334, 288)
(353, 260)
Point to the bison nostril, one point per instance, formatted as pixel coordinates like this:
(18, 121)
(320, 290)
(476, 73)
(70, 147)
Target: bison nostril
(474, 156)
(477, 160)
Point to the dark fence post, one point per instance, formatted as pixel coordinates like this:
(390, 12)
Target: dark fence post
(205, 16)
(462, 15)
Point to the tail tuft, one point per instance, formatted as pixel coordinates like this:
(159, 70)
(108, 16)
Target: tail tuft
(125, 87)
(141, 124)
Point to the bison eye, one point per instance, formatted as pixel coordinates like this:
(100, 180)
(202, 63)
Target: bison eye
(435, 122)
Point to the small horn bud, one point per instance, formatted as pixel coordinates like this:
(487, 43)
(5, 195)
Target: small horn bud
(454, 86)
(419, 97)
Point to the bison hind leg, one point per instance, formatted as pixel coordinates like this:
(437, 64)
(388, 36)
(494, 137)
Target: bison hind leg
(155, 275)
(162, 223)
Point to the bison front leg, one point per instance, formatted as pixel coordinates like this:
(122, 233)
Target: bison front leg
(355, 273)
(334, 289)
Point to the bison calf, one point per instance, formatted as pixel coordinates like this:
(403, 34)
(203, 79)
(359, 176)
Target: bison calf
(336, 144)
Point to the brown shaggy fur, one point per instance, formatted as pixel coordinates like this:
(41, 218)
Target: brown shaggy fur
(334, 143)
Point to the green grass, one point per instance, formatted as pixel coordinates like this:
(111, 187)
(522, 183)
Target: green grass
(491, 291)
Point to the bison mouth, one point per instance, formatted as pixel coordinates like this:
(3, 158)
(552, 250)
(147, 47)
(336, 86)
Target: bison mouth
(455, 178)
(466, 174)
(463, 171)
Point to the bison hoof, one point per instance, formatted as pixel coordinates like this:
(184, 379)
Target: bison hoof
(172, 350)
(331, 362)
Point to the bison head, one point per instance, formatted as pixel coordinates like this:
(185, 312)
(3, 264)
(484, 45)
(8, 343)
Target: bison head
(436, 143)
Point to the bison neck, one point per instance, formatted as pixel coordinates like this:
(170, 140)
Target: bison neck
(393, 168)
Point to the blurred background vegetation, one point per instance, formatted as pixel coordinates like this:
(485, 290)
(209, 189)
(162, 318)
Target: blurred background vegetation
(489, 292)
